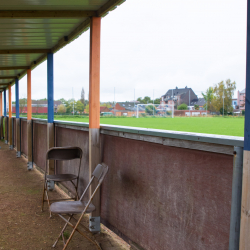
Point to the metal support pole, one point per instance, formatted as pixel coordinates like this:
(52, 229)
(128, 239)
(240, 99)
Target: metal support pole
(172, 103)
(29, 122)
(10, 120)
(234, 237)
(5, 118)
(94, 115)
(245, 201)
(1, 116)
(153, 102)
(50, 96)
(223, 101)
(18, 125)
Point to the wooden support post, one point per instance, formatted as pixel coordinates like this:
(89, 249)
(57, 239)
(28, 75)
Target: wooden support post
(29, 122)
(6, 129)
(5, 118)
(94, 114)
(1, 129)
(245, 202)
(10, 119)
(1, 116)
(50, 97)
(18, 127)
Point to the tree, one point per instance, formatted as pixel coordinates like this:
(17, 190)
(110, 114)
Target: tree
(108, 105)
(69, 105)
(79, 106)
(145, 100)
(87, 109)
(63, 101)
(183, 106)
(196, 107)
(139, 99)
(82, 96)
(150, 110)
(22, 104)
(209, 97)
(61, 109)
(37, 106)
(157, 101)
(227, 89)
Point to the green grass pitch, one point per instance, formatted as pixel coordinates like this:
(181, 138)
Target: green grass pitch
(210, 125)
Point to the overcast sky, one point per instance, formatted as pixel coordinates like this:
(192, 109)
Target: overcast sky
(152, 46)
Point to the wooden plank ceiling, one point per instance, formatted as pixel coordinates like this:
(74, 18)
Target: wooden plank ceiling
(31, 28)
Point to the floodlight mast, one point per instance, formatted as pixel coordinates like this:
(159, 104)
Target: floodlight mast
(223, 101)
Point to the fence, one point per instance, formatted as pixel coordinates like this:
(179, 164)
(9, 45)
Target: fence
(164, 190)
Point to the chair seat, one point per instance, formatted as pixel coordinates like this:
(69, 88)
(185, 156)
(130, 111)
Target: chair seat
(70, 207)
(61, 177)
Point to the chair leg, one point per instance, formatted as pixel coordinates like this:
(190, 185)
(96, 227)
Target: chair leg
(47, 195)
(43, 195)
(61, 234)
(76, 229)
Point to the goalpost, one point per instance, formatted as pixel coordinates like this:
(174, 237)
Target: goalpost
(161, 110)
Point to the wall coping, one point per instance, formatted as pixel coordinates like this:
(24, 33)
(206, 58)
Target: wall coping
(197, 137)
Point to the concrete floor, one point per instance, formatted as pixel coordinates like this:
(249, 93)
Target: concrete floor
(23, 225)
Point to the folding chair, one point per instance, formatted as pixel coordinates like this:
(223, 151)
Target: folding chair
(81, 207)
(61, 154)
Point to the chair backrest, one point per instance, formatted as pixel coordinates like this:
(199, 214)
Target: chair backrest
(64, 153)
(99, 173)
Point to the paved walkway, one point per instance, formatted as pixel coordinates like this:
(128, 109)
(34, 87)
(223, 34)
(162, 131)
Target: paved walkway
(22, 224)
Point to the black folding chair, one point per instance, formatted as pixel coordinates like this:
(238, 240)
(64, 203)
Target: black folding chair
(81, 207)
(61, 154)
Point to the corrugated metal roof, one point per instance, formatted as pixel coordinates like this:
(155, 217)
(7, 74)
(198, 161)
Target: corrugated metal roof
(27, 25)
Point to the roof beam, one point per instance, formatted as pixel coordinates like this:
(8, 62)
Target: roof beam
(25, 51)
(109, 6)
(46, 13)
(75, 33)
(14, 67)
(7, 77)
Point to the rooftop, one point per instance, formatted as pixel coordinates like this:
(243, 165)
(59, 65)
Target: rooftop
(31, 29)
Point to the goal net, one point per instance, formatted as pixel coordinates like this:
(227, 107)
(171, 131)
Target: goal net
(154, 110)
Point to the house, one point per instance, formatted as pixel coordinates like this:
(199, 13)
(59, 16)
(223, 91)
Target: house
(127, 109)
(235, 103)
(241, 99)
(104, 109)
(38, 107)
(185, 95)
(200, 102)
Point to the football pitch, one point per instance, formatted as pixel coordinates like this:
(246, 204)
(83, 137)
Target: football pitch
(233, 126)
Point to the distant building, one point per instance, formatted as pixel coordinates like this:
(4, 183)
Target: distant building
(178, 96)
(241, 99)
(200, 102)
(127, 109)
(39, 107)
(235, 103)
(104, 109)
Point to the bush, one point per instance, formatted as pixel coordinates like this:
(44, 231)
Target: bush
(183, 106)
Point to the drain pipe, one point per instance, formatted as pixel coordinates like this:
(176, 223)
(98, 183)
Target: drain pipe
(234, 237)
